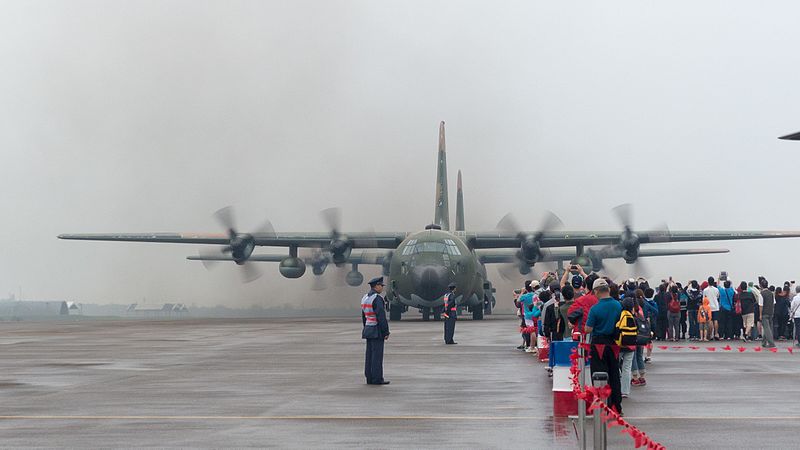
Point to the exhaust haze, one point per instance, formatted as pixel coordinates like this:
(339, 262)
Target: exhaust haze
(151, 115)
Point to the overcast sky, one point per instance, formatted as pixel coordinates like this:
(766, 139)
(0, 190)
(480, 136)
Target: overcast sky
(150, 115)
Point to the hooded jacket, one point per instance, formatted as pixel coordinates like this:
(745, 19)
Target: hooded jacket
(707, 308)
(650, 308)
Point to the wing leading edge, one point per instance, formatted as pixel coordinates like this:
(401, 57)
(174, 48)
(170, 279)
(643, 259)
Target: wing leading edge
(496, 257)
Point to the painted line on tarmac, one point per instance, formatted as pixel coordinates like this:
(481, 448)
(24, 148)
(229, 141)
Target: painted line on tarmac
(346, 418)
(713, 418)
(342, 418)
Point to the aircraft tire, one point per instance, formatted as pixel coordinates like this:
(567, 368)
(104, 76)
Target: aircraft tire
(487, 307)
(395, 313)
(477, 313)
(426, 314)
(437, 314)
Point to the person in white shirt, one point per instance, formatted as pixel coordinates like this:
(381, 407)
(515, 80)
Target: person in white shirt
(794, 313)
(712, 294)
(760, 301)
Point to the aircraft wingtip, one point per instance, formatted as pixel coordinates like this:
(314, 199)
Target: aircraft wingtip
(791, 137)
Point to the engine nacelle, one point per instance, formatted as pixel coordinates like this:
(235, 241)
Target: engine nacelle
(354, 278)
(318, 267)
(240, 248)
(292, 267)
(630, 256)
(529, 251)
(340, 251)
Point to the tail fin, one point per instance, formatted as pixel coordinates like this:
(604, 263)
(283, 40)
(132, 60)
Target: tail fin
(442, 215)
(459, 205)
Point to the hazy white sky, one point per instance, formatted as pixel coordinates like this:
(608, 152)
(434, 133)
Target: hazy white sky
(150, 115)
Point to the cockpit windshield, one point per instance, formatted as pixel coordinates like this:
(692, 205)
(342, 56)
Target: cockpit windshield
(448, 247)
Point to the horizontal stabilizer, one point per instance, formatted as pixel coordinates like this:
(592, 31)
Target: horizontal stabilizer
(679, 251)
(221, 257)
(368, 258)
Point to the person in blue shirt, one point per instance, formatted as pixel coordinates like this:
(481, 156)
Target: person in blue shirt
(601, 324)
(526, 302)
(726, 315)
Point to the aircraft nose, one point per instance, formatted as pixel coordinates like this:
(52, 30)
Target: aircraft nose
(429, 281)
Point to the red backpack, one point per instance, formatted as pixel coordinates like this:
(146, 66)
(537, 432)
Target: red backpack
(674, 305)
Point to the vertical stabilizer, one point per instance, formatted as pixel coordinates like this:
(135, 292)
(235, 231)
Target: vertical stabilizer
(442, 215)
(459, 205)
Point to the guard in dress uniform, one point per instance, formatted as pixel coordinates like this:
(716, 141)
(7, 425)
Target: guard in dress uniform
(376, 331)
(450, 313)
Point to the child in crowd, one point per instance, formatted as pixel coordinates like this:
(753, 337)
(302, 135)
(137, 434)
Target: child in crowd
(532, 314)
(704, 320)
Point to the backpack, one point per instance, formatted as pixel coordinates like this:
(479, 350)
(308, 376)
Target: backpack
(626, 329)
(683, 299)
(643, 333)
(674, 306)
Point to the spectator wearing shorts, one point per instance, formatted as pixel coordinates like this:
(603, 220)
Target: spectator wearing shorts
(748, 302)
(712, 294)
(704, 318)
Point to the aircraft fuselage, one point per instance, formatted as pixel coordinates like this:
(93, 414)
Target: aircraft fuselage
(424, 265)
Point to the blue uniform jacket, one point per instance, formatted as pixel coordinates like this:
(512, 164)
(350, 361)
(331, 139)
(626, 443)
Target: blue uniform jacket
(381, 330)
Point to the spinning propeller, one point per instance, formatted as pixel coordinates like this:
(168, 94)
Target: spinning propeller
(240, 245)
(530, 250)
(629, 241)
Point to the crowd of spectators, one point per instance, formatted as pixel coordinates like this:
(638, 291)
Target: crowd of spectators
(626, 317)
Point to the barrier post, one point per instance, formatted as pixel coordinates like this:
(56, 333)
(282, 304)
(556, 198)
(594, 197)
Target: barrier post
(599, 379)
(581, 338)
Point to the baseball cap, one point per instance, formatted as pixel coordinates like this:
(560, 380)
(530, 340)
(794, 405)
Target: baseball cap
(534, 284)
(600, 283)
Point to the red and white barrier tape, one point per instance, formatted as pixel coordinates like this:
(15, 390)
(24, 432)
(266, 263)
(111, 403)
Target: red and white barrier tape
(595, 399)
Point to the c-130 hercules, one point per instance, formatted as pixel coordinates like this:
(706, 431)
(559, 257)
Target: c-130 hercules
(420, 265)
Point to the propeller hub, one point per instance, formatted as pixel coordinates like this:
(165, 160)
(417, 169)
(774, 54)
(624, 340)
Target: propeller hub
(530, 250)
(630, 241)
(241, 247)
(340, 249)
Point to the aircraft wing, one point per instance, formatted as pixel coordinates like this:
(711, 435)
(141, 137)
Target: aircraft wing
(498, 257)
(314, 240)
(584, 238)
(480, 240)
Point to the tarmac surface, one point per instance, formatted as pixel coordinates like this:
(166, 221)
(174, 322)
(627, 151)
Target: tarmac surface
(298, 383)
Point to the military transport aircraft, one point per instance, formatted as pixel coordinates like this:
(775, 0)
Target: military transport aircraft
(421, 264)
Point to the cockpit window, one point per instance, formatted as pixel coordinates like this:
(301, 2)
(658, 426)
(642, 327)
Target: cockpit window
(409, 249)
(452, 248)
(447, 247)
(431, 247)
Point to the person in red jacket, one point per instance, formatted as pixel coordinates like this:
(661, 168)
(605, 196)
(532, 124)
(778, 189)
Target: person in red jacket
(583, 304)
